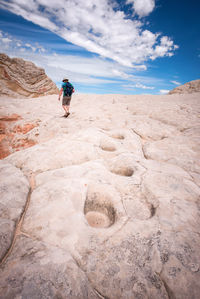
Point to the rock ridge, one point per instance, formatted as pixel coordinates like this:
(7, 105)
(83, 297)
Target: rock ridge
(189, 87)
(21, 78)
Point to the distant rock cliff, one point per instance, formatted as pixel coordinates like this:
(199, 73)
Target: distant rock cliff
(20, 78)
(189, 87)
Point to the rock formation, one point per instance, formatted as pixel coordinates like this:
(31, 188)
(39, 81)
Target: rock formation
(189, 87)
(106, 203)
(20, 78)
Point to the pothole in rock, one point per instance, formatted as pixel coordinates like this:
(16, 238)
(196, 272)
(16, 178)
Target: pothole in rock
(108, 147)
(123, 171)
(97, 219)
(99, 213)
(118, 136)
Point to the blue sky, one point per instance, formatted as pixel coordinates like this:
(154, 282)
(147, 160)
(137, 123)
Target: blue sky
(106, 46)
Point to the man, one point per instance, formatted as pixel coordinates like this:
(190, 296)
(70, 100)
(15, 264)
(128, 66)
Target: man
(67, 89)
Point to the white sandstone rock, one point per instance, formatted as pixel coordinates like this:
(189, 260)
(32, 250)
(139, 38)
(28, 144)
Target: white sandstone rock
(114, 203)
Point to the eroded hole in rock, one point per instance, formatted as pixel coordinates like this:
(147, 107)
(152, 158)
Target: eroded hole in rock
(99, 213)
(97, 219)
(124, 171)
(118, 136)
(153, 210)
(108, 147)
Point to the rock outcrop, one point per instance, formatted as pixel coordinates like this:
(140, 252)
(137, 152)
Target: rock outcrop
(106, 203)
(20, 78)
(189, 87)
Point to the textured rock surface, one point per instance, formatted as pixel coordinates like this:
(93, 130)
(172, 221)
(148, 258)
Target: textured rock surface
(114, 207)
(189, 87)
(35, 270)
(20, 78)
(14, 189)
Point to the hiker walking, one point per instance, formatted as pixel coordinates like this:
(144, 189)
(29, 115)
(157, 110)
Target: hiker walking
(67, 89)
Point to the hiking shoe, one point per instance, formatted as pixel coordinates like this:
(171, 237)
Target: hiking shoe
(67, 114)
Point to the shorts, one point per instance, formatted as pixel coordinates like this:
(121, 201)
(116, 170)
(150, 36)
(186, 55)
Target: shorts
(66, 100)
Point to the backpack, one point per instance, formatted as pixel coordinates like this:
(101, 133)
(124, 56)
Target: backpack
(68, 89)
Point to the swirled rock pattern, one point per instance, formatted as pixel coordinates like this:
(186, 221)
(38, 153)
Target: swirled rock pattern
(21, 78)
(105, 204)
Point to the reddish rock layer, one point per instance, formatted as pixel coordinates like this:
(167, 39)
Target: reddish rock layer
(12, 137)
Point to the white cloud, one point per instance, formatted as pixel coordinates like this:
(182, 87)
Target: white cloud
(164, 91)
(175, 82)
(138, 85)
(142, 7)
(41, 49)
(6, 40)
(86, 70)
(97, 27)
(30, 46)
(84, 65)
(165, 48)
(81, 70)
